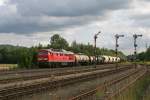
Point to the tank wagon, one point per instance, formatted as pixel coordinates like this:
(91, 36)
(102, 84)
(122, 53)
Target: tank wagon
(57, 58)
(81, 59)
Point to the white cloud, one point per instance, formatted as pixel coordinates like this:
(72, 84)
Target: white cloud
(27, 23)
(3, 2)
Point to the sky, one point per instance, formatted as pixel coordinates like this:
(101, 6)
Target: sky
(30, 22)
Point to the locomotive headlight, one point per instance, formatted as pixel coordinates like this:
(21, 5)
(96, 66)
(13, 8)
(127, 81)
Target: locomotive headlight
(45, 59)
(39, 58)
(42, 58)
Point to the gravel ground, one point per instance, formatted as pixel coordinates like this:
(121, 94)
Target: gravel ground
(64, 93)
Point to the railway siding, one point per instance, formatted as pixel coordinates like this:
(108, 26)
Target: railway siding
(113, 87)
(43, 73)
(7, 91)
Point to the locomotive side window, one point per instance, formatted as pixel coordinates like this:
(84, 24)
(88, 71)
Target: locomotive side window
(43, 53)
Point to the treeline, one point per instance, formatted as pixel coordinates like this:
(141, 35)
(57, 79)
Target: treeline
(58, 42)
(24, 57)
(144, 56)
(27, 57)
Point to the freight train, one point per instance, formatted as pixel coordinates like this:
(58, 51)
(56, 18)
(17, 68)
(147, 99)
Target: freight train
(56, 58)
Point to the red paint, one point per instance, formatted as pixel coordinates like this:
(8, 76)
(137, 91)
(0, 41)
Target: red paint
(48, 55)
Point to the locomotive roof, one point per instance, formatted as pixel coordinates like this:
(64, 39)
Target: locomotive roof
(58, 51)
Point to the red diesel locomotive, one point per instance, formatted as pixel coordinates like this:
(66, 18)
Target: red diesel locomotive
(54, 58)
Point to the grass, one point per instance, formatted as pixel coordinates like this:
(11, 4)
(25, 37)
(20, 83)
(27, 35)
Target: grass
(99, 94)
(8, 66)
(126, 62)
(137, 91)
(145, 62)
(138, 62)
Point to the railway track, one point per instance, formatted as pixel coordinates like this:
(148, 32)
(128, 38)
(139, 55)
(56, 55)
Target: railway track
(25, 71)
(21, 71)
(43, 73)
(52, 82)
(138, 73)
(132, 78)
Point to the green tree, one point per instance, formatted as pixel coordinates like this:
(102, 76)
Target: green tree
(57, 42)
(147, 54)
(141, 56)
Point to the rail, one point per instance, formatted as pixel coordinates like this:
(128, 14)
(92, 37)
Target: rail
(103, 87)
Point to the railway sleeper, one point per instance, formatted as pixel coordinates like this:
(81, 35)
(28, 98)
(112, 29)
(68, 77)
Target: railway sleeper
(101, 74)
(107, 84)
(20, 90)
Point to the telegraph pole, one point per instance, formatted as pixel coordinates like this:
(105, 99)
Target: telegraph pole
(95, 38)
(117, 45)
(135, 36)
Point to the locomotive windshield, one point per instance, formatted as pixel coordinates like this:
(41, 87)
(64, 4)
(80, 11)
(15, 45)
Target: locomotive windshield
(43, 52)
